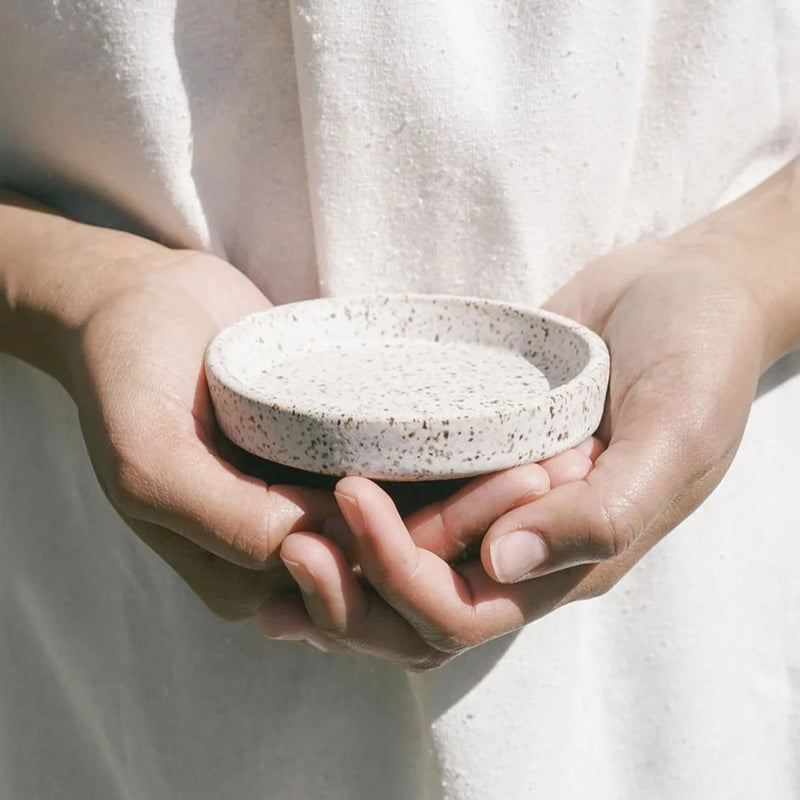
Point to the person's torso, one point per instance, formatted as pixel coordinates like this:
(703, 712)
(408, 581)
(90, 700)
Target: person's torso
(328, 147)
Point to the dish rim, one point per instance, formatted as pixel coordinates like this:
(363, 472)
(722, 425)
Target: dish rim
(597, 356)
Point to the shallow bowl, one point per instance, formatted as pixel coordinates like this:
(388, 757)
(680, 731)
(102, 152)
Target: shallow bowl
(406, 387)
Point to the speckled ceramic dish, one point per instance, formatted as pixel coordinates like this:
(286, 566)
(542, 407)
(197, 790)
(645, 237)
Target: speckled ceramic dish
(406, 387)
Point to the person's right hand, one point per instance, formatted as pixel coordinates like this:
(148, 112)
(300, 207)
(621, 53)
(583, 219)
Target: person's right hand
(137, 378)
(123, 322)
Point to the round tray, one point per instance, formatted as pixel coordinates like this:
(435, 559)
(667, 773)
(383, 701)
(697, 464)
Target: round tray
(406, 387)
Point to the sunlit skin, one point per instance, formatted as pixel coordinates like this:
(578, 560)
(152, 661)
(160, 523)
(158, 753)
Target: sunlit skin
(123, 323)
(691, 322)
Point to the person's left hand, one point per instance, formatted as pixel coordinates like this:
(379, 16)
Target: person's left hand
(691, 322)
(339, 611)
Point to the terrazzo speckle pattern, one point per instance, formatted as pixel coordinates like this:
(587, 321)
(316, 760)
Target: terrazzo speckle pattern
(406, 387)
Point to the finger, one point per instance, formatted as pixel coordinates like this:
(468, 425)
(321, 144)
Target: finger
(500, 608)
(344, 611)
(179, 483)
(451, 609)
(433, 598)
(572, 465)
(334, 599)
(284, 617)
(644, 479)
(592, 447)
(232, 592)
(447, 527)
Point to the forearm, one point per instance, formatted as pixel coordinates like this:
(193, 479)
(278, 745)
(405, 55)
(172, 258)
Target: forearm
(759, 237)
(53, 274)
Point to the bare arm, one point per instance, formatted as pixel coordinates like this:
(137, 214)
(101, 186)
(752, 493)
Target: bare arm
(691, 322)
(122, 323)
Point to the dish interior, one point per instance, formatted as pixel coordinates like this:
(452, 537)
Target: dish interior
(402, 359)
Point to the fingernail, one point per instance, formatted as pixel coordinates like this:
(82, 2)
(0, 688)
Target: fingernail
(349, 499)
(517, 554)
(354, 518)
(304, 579)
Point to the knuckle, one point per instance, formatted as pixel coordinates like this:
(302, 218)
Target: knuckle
(456, 636)
(342, 631)
(251, 541)
(430, 661)
(258, 529)
(616, 527)
(348, 627)
(452, 642)
(252, 531)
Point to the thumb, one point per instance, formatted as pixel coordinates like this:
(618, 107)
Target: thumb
(655, 471)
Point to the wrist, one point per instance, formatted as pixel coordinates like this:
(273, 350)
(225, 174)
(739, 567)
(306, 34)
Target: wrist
(54, 273)
(757, 238)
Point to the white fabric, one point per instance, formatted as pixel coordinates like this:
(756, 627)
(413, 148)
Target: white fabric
(334, 147)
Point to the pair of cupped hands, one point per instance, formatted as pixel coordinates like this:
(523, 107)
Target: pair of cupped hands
(689, 335)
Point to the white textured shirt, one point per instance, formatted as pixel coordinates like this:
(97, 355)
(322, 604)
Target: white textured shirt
(340, 146)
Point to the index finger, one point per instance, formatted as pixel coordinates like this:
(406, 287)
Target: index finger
(181, 484)
(451, 608)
